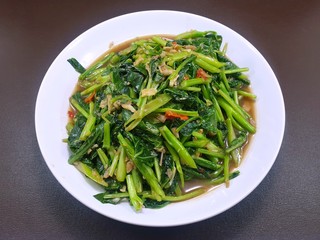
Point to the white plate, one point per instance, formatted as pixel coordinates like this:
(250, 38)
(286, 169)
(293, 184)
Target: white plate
(60, 80)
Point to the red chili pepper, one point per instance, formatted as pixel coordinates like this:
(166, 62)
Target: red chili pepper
(172, 115)
(71, 114)
(90, 97)
(202, 74)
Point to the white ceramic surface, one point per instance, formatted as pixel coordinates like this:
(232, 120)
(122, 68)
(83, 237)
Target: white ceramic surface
(59, 82)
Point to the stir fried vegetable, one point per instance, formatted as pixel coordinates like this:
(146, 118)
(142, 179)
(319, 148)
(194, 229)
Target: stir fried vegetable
(161, 112)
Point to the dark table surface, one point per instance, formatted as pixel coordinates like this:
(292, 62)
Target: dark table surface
(33, 205)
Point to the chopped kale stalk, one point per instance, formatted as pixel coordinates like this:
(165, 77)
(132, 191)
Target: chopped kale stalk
(147, 121)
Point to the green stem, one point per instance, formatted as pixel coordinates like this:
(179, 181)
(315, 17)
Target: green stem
(212, 61)
(238, 117)
(211, 153)
(234, 122)
(206, 163)
(216, 105)
(171, 58)
(176, 159)
(190, 34)
(178, 146)
(137, 180)
(90, 123)
(191, 89)
(99, 64)
(207, 66)
(94, 87)
(142, 101)
(235, 97)
(196, 143)
(116, 195)
(193, 82)
(106, 135)
(247, 94)
(76, 65)
(150, 177)
(205, 92)
(236, 107)
(231, 136)
(114, 162)
(236, 70)
(178, 111)
(121, 168)
(226, 169)
(220, 138)
(150, 107)
(144, 169)
(237, 142)
(225, 80)
(77, 106)
(103, 157)
(90, 173)
(157, 169)
(135, 200)
(173, 77)
(216, 173)
(185, 123)
(221, 179)
(159, 40)
(184, 197)
(210, 145)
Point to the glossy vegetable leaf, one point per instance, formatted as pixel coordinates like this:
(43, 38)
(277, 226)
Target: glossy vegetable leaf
(156, 114)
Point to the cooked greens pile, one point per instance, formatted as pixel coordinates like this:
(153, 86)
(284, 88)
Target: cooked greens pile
(156, 114)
